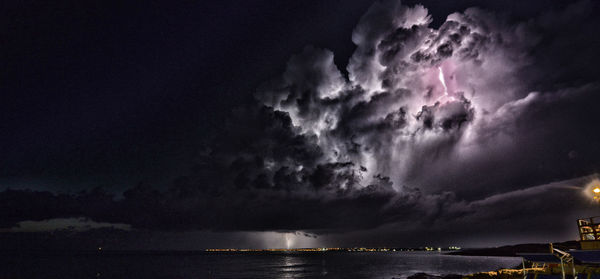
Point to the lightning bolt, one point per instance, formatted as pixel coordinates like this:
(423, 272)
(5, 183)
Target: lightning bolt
(442, 80)
(289, 241)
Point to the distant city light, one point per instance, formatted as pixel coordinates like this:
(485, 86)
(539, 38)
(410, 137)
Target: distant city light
(335, 249)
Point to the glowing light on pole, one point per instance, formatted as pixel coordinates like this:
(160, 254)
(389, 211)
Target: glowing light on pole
(596, 191)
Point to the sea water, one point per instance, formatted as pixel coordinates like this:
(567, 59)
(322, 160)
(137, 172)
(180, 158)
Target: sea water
(145, 265)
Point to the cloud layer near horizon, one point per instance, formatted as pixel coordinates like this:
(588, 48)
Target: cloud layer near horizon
(428, 129)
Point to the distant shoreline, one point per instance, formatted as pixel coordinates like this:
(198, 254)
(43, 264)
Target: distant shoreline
(503, 251)
(513, 250)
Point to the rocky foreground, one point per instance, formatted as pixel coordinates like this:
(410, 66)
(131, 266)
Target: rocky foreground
(499, 274)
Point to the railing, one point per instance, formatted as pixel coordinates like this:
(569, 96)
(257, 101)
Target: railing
(565, 258)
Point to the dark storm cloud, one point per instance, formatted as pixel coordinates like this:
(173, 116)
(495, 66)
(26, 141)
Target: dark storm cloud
(432, 129)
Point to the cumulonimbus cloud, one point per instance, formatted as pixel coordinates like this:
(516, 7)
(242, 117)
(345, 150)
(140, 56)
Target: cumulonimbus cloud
(427, 124)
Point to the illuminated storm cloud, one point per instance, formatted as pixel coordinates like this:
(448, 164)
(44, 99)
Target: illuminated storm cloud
(416, 98)
(425, 122)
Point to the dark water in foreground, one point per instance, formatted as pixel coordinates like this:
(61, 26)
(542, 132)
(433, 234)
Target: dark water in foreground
(246, 265)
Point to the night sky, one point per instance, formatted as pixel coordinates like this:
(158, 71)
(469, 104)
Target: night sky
(219, 124)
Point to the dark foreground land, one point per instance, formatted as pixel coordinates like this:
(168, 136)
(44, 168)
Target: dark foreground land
(430, 276)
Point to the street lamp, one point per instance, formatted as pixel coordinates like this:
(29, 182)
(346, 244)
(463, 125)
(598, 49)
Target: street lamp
(596, 191)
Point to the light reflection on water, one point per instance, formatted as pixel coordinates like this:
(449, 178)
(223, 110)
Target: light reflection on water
(296, 266)
(289, 266)
(248, 265)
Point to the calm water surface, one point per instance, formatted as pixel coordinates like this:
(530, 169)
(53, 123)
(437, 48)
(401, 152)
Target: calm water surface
(246, 265)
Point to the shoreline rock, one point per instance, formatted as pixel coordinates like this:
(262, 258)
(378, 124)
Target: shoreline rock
(498, 274)
(422, 275)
